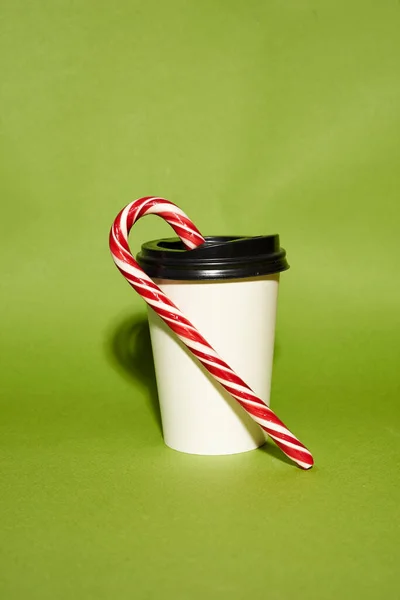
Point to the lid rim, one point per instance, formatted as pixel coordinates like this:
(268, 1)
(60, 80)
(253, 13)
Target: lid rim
(221, 257)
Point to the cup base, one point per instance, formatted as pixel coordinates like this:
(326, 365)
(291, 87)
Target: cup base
(216, 453)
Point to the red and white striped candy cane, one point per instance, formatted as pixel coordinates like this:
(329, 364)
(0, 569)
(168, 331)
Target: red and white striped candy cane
(186, 332)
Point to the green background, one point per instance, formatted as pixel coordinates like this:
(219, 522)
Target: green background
(255, 117)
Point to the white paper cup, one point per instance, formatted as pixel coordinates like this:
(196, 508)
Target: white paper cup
(237, 317)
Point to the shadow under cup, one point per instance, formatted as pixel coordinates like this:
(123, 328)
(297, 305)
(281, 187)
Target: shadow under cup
(228, 289)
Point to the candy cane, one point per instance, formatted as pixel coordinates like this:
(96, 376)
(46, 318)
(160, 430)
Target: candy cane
(172, 316)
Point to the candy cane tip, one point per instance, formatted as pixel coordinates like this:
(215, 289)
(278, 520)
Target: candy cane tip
(306, 466)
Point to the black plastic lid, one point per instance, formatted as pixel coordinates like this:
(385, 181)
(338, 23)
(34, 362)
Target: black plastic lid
(220, 257)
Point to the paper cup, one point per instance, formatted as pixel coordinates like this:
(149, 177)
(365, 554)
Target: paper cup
(231, 298)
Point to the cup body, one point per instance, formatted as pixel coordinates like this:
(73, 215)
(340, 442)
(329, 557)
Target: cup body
(237, 317)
